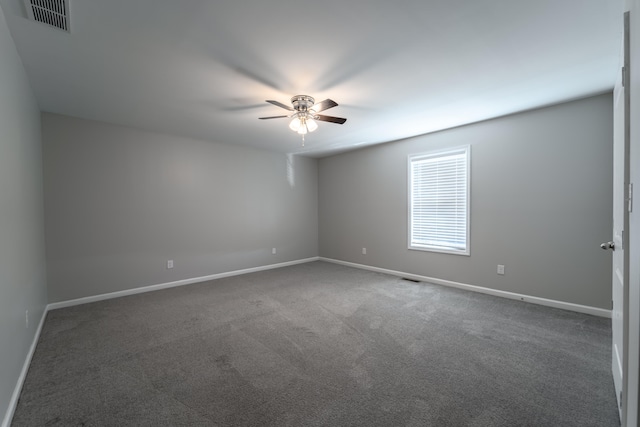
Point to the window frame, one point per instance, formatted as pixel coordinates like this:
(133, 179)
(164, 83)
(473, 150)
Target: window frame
(466, 149)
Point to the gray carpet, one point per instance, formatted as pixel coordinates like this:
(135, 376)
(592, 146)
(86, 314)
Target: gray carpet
(318, 345)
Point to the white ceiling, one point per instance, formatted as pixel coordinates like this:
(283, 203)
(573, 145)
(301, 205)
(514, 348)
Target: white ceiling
(203, 69)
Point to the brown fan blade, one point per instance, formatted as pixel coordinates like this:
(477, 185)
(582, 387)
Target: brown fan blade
(272, 117)
(338, 120)
(280, 104)
(324, 105)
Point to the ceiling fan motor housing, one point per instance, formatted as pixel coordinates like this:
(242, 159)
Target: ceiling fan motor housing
(302, 103)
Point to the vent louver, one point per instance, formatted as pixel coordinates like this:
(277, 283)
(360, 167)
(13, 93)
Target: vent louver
(50, 12)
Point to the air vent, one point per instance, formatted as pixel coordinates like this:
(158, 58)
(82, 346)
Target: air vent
(50, 12)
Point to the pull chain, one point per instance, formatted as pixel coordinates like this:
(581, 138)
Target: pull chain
(303, 140)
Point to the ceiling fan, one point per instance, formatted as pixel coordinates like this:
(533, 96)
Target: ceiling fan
(305, 113)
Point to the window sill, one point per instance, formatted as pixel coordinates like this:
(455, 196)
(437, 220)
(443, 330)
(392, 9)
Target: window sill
(440, 250)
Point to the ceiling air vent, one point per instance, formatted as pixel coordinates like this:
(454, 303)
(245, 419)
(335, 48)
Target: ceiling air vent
(50, 12)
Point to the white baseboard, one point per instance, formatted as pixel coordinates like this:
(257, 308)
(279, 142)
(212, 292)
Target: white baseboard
(150, 288)
(595, 311)
(13, 403)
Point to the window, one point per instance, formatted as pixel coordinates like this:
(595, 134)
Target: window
(439, 201)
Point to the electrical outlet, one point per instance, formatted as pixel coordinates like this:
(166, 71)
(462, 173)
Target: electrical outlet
(170, 263)
(26, 318)
(364, 251)
(500, 269)
(273, 251)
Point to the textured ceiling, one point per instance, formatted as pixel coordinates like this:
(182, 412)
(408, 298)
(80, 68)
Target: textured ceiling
(203, 69)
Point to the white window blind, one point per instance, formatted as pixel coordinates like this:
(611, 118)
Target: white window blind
(439, 201)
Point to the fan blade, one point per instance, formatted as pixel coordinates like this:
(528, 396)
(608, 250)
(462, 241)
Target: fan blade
(338, 120)
(279, 104)
(272, 117)
(324, 105)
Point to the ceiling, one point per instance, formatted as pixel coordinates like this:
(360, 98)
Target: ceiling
(203, 69)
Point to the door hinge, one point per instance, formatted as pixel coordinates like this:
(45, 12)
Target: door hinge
(620, 399)
(630, 198)
(624, 74)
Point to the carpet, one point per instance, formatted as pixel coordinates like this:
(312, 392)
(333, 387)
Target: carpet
(319, 344)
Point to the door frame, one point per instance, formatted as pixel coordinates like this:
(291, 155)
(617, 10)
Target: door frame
(632, 354)
(619, 242)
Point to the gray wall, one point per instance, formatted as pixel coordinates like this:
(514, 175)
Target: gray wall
(22, 260)
(540, 204)
(121, 202)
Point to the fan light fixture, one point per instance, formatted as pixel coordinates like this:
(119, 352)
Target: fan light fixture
(305, 114)
(303, 123)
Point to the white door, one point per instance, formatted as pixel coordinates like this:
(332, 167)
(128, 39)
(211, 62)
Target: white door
(620, 276)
